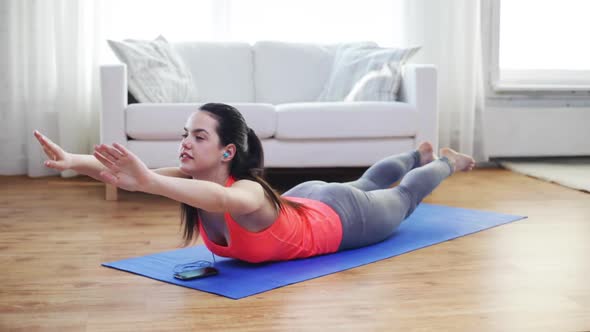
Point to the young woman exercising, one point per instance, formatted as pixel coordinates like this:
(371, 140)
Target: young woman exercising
(224, 198)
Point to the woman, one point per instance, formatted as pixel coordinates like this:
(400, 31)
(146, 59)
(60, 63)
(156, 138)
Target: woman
(223, 196)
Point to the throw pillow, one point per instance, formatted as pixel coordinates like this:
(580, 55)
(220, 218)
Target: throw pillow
(156, 74)
(377, 85)
(356, 66)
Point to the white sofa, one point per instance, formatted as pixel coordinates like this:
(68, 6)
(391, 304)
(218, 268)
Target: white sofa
(275, 85)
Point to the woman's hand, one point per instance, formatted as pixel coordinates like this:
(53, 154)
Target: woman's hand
(58, 158)
(124, 169)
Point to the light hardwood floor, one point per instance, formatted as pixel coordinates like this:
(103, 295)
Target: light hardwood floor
(533, 274)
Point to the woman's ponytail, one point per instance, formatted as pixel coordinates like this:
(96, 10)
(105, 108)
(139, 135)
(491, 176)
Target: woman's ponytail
(254, 167)
(255, 155)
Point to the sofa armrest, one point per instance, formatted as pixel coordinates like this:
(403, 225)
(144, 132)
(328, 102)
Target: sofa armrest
(113, 84)
(419, 88)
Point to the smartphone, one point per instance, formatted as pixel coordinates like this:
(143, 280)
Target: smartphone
(197, 273)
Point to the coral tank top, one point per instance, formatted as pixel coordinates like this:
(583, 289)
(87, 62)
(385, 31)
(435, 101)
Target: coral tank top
(315, 229)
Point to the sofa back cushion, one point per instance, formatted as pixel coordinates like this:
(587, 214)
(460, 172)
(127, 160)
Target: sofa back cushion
(356, 65)
(156, 74)
(290, 72)
(222, 72)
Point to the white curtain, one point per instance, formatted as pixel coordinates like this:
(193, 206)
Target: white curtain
(450, 33)
(50, 75)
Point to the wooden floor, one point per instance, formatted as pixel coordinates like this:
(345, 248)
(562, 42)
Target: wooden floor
(533, 274)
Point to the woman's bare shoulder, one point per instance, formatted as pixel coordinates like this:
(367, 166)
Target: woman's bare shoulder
(246, 183)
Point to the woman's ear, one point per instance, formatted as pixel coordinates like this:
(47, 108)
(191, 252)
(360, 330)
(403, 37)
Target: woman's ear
(229, 152)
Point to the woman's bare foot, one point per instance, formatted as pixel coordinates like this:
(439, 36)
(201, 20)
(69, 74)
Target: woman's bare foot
(461, 162)
(426, 153)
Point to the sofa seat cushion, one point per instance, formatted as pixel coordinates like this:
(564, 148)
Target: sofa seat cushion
(361, 152)
(166, 121)
(291, 153)
(345, 120)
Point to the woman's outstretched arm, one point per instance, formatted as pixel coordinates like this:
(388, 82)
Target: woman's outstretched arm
(242, 198)
(127, 171)
(61, 160)
(85, 164)
(172, 172)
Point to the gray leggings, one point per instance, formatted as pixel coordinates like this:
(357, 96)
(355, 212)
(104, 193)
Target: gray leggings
(369, 209)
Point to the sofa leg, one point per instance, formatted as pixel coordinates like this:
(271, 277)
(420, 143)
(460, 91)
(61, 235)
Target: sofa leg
(111, 192)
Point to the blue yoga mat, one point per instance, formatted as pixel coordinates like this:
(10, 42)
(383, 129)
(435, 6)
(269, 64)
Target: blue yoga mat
(428, 225)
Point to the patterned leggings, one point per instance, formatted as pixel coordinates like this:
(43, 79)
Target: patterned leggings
(369, 209)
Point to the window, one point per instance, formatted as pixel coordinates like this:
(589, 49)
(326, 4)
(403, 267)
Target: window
(541, 45)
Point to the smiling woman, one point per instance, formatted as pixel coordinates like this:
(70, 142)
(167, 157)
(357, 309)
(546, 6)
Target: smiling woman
(224, 198)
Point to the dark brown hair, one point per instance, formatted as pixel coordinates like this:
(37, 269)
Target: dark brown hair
(248, 162)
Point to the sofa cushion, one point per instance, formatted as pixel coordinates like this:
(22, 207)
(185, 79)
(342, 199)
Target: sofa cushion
(345, 120)
(354, 152)
(352, 63)
(291, 153)
(221, 71)
(166, 121)
(156, 74)
(290, 72)
(377, 85)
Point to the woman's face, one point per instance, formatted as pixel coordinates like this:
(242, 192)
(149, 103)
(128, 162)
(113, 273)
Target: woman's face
(200, 149)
